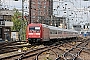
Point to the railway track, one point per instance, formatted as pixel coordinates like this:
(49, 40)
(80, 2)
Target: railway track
(10, 46)
(25, 54)
(58, 51)
(75, 52)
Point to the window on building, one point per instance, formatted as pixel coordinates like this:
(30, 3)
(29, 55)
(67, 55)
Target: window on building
(33, 16)
(33, 2)
(39, 2)
(44, 2)
(44, 6)
(33, 13)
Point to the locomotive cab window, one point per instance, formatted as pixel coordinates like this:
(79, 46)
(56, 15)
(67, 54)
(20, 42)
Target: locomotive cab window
(37, 28)
(34, 29)
(31, 28)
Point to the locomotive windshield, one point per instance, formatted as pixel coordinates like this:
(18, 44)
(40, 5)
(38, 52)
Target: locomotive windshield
(34, 28)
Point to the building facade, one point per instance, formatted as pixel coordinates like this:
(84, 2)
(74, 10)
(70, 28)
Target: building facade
(5, 25)
(41, 11)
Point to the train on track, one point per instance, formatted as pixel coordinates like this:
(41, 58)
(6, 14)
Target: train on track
(37, 32)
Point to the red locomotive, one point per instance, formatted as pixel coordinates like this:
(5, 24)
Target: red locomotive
(40, 33)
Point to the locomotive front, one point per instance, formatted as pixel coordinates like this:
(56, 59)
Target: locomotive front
(34, 33)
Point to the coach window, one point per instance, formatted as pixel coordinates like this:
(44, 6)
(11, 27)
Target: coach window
(70, 33)
(55, 32)
(64, 32)
(75, 33)
(59, 32)
(50, 32)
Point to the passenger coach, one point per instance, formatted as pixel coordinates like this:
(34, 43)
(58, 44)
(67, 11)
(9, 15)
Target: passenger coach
(41, 32)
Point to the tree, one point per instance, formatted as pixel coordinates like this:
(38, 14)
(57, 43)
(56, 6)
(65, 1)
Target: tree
(19, 24)
(16, 20)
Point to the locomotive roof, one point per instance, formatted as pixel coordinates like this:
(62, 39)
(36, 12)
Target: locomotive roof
(34, 24)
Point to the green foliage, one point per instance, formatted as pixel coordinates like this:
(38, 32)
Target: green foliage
(19, 24)
(16, 21)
